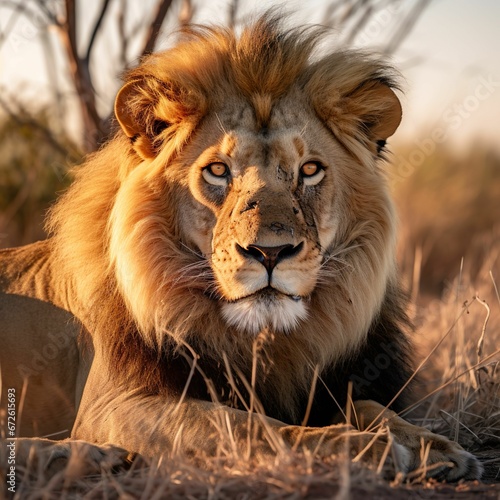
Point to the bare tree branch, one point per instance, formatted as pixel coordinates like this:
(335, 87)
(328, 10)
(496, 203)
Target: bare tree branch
(11, 23)
(350, 15)
(359, 25)
(121, 21)
(406, 26)
(53, 77)
(19, 6)
(155, 26)
(97, 26)
(351, 11)
(70, 25)
(18, 10)
(51, 16)
(329, 15)
(95, 128)
(233, 10)
(186, 13)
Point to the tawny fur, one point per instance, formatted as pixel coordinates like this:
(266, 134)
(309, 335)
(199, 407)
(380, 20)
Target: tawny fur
(160, 256)
(119, 216)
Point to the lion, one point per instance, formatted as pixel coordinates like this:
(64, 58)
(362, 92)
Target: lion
(229, 252)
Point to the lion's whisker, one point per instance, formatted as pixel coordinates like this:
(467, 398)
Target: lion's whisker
(191, 250)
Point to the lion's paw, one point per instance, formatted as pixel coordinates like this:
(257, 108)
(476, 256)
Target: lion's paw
(447, 460)
(379, 450)
(419, 452)
(79, 458)
(75, 458)
(434, 456)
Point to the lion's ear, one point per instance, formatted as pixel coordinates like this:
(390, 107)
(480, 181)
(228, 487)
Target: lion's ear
(135, 113)
(152, 110)
(379, 110)
(372, 113)
(123, 112)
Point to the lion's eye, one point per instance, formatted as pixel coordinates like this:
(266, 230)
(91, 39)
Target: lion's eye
(216, 173)
(312, 172)
(218, 169)
(309, 169)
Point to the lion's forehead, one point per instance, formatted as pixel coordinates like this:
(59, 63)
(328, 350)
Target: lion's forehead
(284, 138)
(291, 111)
(281, 150)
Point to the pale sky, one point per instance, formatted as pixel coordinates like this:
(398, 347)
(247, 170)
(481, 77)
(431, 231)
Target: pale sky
(450, 63)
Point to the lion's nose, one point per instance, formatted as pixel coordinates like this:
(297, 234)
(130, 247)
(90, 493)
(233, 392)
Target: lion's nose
(270, 257)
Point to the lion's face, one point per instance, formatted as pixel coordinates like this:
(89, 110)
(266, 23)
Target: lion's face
(263, 212)
(251, 197)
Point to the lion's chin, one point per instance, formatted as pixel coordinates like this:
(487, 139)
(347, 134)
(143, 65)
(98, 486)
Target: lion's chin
(274, 310)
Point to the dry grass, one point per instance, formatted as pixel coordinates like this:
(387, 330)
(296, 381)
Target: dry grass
(461, 386)
(290, 478)
(466, 364)
(458, 321)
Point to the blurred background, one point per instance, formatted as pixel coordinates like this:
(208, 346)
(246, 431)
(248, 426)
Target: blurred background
(60, 66)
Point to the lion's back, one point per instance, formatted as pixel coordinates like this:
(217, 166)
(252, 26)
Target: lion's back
(39, 356)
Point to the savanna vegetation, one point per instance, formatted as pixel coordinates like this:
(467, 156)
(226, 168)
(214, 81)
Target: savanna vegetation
(449, 255)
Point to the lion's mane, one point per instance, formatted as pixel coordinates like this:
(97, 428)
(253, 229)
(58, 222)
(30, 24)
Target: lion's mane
(144, 296)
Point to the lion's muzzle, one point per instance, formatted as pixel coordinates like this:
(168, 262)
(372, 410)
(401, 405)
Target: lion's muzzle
(270, 294)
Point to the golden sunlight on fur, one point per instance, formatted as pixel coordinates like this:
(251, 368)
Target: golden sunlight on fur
(232, 248)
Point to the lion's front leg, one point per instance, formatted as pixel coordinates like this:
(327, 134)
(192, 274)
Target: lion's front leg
(155, 425)
(152, 425)
(435, 455)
